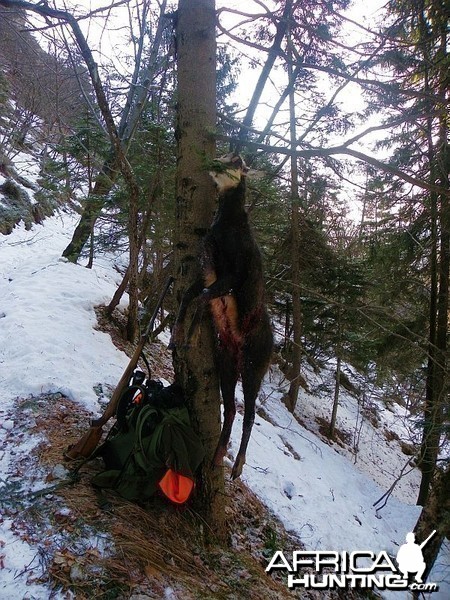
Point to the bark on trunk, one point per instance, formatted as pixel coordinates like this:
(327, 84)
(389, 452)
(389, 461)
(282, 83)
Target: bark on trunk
(332, 429)
(93, 207)
(436, 387)
(194, 366)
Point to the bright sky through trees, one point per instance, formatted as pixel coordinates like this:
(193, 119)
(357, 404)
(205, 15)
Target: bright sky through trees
(109, 31)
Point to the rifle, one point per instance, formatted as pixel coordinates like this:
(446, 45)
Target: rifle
(89, 441)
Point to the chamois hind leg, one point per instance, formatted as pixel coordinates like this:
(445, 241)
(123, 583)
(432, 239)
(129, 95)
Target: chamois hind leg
(256, 358)
(250, 386)
(228, 373)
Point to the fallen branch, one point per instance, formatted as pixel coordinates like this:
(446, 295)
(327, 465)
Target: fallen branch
(385, 497)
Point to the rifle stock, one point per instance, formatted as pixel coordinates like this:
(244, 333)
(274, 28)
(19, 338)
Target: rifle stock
(110, 410)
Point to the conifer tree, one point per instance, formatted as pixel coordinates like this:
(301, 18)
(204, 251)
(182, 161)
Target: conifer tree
(416, 56)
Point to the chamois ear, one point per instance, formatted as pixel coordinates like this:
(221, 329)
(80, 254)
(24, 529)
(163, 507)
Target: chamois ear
(229, 161)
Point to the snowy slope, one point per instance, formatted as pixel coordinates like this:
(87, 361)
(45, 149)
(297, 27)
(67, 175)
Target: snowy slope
(48, 343)
(47, 326)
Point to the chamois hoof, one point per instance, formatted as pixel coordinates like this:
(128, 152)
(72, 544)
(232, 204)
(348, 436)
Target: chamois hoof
(237, 468)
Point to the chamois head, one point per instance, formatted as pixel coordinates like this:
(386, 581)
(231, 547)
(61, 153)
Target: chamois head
(227, 171)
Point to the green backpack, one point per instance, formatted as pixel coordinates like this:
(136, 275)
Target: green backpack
(152, 445)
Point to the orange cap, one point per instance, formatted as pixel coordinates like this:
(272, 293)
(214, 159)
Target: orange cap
(176, 487)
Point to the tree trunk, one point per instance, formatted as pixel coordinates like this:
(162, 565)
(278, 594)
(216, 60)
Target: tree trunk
(297, 319)
(337, 386)
(194, 366)
(93, 207)
(435, 515)
(436, 386)
(437, 395)
(426, 460)
(133, 267)
(266, 70)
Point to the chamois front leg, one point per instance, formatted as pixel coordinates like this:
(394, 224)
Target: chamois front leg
(218, 289)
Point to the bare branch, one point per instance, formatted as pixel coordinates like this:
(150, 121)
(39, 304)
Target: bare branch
(388, 87)
(265, 73)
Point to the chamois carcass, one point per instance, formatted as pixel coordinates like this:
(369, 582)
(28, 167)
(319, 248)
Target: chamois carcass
(232, 285)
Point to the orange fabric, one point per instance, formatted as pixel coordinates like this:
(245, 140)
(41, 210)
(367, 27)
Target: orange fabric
(176, 487)
(137, 399)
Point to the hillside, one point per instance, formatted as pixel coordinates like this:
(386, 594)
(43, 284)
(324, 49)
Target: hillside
(57, 367)
(54, 95)
(41, 105)
(60, 360)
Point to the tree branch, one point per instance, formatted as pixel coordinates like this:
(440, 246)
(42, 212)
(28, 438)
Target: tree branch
(273, 53)
(385, 86)
(336, 150)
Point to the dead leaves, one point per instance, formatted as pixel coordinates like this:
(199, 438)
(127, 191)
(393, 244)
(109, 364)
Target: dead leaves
(70, 568)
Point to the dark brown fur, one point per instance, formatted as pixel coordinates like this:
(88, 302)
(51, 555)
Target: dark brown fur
(233, 286)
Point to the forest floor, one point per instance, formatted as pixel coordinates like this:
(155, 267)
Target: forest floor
(92, 545)
(102, 546)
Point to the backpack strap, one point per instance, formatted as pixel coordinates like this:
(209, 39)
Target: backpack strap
(146, 425)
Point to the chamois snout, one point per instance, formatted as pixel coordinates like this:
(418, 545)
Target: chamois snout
(228, 170)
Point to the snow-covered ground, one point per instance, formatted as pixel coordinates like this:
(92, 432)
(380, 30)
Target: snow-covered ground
(48, 343)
